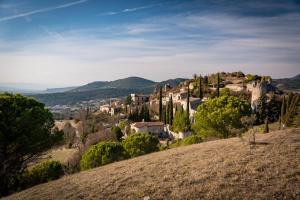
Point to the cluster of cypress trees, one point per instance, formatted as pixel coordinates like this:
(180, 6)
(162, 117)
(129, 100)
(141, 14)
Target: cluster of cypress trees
(288, 109)
(140, 114)
(267, 111)
(167, 112)
(270, 111)
(160, 105)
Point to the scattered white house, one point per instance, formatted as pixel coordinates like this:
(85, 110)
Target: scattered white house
(156, 128)
(191, 85)
(105, 108)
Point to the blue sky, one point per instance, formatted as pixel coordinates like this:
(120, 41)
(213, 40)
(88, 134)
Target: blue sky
(72, 42)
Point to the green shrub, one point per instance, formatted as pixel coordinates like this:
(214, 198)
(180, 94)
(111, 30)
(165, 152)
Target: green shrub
(140, 144)
(41, 173)
(116, 130)
(193, 139)
(176, 143)
(101, 154)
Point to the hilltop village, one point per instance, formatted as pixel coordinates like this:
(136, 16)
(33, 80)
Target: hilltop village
(156, 113)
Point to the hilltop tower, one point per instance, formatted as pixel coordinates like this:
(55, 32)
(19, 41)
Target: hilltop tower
(260, 88)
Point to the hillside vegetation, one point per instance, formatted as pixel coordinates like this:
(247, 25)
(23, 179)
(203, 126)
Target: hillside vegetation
(222, 169)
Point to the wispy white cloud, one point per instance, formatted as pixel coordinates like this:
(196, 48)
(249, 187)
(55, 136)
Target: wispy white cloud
(26, 14)
(127, 10)
(176, 46)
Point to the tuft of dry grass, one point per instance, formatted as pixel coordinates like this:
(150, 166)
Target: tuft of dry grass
(222, 169)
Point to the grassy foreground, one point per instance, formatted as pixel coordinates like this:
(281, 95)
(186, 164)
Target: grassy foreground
(223, 169)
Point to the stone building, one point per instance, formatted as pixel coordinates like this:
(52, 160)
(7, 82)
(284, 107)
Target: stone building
(155, 128)
(258, 89)
(139, 99)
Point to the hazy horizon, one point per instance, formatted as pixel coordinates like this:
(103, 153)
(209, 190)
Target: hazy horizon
(41, 87)
(74, 42)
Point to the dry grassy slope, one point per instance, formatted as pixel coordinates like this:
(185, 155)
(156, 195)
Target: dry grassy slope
(224, 169)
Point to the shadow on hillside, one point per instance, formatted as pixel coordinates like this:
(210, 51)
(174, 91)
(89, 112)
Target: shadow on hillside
(259, 143)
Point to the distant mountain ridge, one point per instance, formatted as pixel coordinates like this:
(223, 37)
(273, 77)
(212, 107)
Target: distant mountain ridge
(57, 90)
(288, 83)
(103, 90)
(125, 83)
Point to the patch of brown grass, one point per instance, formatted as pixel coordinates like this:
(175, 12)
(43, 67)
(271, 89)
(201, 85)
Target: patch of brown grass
(223, 169)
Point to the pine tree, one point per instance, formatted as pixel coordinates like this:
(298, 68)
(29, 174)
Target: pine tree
(218, 85)
(160, 104)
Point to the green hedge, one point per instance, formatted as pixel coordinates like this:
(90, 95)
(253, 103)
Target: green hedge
(101, 154)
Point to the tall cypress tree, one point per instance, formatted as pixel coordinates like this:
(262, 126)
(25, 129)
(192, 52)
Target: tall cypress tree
(167, 113)
(205, 80)
(218, 85)
(164, 115)
(188, 110)
(171, 111)
(266, 129)
(188, 101)
(200, 87)
(160, 104)
(141, 114)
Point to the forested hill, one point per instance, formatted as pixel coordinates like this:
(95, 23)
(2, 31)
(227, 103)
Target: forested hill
(288, 83)
(126, 83)
(104, 89)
